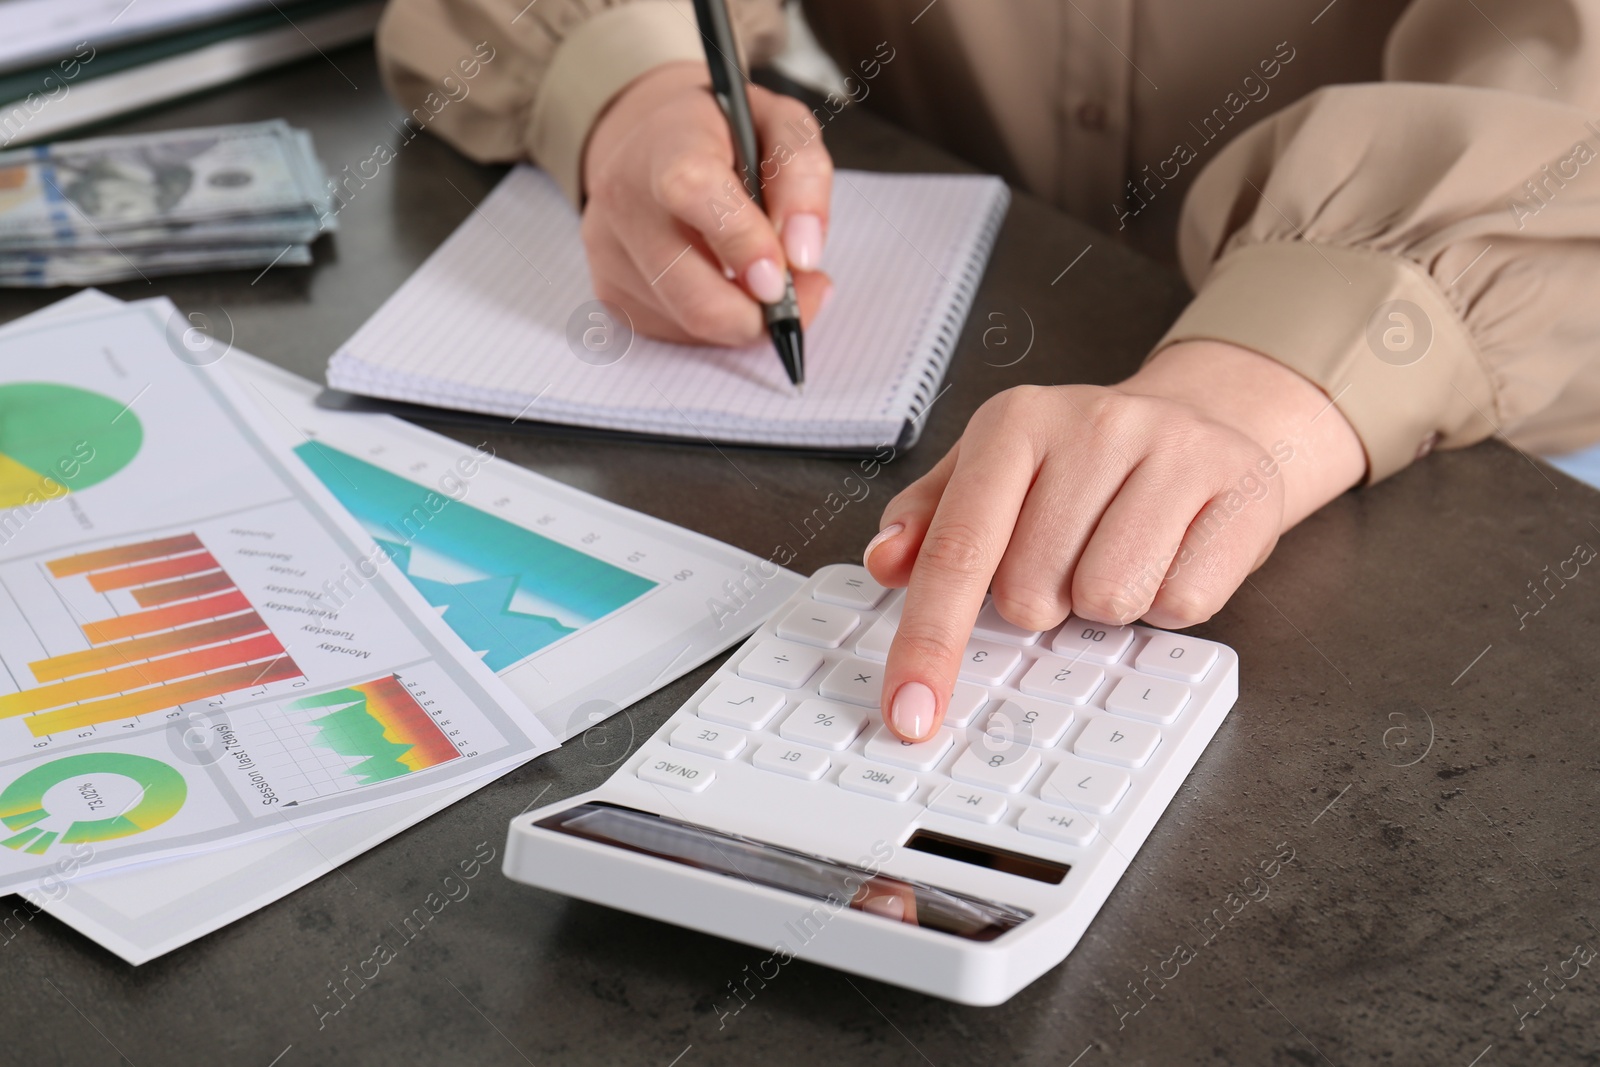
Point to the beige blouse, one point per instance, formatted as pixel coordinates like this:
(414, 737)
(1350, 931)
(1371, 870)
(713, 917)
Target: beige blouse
(1399, 200)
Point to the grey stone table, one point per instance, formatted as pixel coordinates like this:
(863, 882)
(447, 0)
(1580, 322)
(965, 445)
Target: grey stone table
(1430, 763)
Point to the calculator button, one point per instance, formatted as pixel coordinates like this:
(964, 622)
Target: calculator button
(822, 625)
(1171, 656)
(707, 740)
(854, 681)
(996, 764)
(850, 587)
(967, 803)
(676, 772)
(737, 703)
(1127, 744)
(1085, 786)
(919, 756)
(965, 703)
(1061, 679)
(1091, 642)
(780, 663)
(895, 785)
(1057, 824)
(1033, 722)
(988, 662)
(874, 644)
(786, 759)
(1151, 699)
(990, 625)
(824, 724)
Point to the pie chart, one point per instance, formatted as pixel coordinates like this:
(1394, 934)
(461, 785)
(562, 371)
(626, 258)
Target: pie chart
(55, 439)
(93, 796)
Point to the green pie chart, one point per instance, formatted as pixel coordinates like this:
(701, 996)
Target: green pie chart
(58, 438)
(162, 791)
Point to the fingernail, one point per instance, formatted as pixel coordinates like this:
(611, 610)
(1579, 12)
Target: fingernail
(827, 295)
(802, 240)
(912, 710)
(765, 281)
(883, 535)
(889, 907)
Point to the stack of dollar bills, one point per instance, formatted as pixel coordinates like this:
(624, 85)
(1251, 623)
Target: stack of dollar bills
(117, 208)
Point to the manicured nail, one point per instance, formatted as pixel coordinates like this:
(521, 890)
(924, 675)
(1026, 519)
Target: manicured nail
(912, 710)
(883, 535)
(765, 281)
(802, 241)
(889, 907)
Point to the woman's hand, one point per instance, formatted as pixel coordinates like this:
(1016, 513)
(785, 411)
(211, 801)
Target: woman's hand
(1152, 499)
(672, 235)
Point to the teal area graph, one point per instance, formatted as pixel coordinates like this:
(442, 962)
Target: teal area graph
(507, 591)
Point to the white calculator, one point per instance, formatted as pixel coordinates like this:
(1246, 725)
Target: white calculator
(775, 808)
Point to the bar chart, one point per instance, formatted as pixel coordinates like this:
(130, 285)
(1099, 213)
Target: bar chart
(190, 635)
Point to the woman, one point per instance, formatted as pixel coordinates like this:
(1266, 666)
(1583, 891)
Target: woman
(1404, 262)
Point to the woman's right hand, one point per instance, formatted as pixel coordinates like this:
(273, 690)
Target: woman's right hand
(667, 221)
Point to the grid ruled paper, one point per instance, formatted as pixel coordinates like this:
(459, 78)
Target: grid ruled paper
(483, 325)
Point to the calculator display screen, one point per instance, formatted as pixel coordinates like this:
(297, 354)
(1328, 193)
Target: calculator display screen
(814, 877)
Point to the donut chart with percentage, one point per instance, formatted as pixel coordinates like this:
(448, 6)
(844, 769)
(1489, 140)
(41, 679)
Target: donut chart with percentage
(58, 438)
(156, 791)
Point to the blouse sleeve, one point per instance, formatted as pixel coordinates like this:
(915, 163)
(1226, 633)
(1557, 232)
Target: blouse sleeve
(506, 80)
(1425, 249)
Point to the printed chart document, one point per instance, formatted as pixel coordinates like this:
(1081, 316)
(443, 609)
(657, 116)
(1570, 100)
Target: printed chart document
(165, 562)
(668, 599)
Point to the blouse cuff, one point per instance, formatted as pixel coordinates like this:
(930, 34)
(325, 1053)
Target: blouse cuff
(1372, 330)
(594, 63)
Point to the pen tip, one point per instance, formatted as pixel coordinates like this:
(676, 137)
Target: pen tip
(800, 388)
(786, 337)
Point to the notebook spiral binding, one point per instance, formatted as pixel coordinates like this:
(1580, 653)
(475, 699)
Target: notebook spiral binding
(944, 344)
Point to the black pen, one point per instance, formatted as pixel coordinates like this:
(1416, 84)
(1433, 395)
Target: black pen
(727, 84)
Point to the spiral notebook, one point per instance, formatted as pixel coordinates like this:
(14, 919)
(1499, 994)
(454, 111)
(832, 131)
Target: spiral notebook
(501, 320)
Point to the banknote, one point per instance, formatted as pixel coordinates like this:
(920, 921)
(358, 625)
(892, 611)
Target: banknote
(97, 267)
(106, 208)
(112, 183)
(281, 229)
